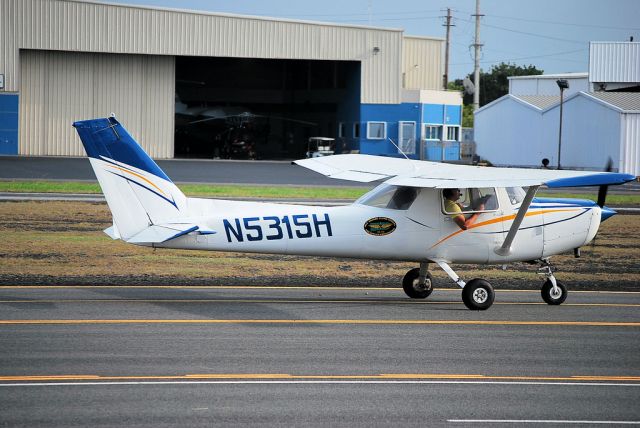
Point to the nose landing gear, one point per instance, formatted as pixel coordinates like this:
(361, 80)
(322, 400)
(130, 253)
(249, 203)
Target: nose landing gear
(553, 291)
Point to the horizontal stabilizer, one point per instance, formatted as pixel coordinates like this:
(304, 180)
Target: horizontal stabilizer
(159, 233)
(112, 232)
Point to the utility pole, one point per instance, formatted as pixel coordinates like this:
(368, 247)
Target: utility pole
(476, 63)
(445, 78)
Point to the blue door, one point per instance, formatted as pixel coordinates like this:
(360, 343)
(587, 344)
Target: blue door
(8, 124)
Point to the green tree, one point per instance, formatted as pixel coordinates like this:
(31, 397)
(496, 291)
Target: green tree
(495, 84)
(467, 108)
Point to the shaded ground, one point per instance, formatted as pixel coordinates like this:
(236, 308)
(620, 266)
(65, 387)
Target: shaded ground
(62, 243)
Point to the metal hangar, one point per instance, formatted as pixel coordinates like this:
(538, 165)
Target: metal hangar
(197, 84)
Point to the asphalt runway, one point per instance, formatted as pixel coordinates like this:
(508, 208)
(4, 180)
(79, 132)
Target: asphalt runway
(224, 356)
(281, 173)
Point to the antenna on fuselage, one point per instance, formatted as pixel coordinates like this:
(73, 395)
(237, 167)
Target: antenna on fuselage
(403, 153)
(399, 149)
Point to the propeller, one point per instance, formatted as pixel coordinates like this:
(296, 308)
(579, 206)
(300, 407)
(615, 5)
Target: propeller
(602, 196)
(602, 191)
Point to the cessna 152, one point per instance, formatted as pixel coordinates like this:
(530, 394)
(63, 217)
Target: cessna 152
(404, 218)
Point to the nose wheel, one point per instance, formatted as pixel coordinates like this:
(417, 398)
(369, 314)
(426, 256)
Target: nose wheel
(553, 295)
(553, 291)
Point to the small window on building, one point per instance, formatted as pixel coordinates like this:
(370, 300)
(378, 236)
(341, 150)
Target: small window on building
(453, 133)
(433, 132)
(356, 130)
(376, 130)
(342, 127)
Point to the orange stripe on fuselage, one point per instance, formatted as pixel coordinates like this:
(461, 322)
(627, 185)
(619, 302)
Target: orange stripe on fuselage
(139, 176)
(498, 220)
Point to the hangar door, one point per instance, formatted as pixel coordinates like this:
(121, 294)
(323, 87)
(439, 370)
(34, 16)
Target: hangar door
(257, 108)
(58, 88)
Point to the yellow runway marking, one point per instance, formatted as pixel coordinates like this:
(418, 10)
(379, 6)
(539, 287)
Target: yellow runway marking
(297, 301)
(281, 376)
(335, 321)
(272, 287)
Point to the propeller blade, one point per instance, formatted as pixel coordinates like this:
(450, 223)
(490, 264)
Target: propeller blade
(602, 195)
(602, 191)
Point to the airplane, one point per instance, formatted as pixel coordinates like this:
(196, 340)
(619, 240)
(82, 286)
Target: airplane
(402, 219)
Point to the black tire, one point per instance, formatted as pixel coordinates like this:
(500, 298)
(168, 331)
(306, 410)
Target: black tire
(478, 295)
(549, 297)
(413, 289)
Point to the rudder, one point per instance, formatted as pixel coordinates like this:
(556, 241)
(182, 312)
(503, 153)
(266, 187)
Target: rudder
(138, 192)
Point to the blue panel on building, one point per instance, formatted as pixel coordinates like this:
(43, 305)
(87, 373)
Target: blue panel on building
(392, 114)
(8, 124)
(433, 113)
(453, 115)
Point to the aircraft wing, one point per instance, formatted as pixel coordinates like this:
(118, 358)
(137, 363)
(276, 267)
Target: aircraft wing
(414, 173)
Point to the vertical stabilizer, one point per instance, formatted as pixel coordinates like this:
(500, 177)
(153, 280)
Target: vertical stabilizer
(138, 192)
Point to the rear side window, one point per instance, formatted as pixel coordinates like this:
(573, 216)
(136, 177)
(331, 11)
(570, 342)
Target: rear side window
(390, 197)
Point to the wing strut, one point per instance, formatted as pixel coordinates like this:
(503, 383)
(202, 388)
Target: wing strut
(505, 249)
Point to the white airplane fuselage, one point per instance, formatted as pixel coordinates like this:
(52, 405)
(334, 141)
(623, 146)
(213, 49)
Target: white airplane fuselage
(421, 233)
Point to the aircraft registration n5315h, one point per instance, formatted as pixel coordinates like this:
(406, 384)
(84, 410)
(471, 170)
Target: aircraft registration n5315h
(405, 218)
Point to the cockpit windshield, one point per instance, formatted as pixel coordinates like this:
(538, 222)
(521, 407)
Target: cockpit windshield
(390, 197)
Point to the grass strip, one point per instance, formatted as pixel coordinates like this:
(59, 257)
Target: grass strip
(203, 190)
(276, 192)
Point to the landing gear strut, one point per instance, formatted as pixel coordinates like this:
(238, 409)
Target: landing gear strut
(553, 291)
(477, 294)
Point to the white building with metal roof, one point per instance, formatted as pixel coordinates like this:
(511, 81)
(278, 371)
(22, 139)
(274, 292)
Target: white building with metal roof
(523, 127)
(523, 130)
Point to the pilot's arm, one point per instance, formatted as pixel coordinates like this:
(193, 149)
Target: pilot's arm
(464, 222)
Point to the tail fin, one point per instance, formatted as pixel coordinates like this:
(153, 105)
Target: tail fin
(138, 192)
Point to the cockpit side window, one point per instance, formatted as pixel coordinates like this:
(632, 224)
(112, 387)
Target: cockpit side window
(470, 200)
(390, 197)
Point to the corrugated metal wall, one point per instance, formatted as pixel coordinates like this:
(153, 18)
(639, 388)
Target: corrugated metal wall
(422, 65)
(58, 88)
(69, 25)
(630, 146)
(614, 62)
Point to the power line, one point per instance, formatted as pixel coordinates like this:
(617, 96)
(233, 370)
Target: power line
(534, 34)
(564, 23)
(530, 57)
(345, 15)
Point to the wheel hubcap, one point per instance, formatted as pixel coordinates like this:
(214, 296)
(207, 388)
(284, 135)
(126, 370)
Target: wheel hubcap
(480, 295)
(556, 293)
(421, 287)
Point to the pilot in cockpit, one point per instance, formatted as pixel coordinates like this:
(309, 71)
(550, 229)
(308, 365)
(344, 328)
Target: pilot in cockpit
(456, 210)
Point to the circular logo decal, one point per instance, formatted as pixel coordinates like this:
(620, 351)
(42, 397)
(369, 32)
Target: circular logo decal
(380, 226)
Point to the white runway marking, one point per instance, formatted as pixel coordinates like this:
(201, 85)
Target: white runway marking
(532, 421)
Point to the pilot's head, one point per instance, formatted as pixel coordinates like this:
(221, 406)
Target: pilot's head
(453, 194)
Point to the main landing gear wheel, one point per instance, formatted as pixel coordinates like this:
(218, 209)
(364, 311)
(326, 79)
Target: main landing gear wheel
(551, 296)
(412, 287)
(478, 295)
